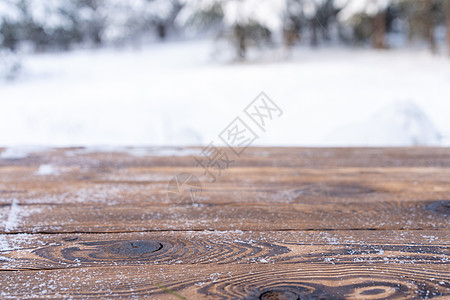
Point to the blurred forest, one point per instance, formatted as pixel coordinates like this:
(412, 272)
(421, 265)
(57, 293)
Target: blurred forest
(126, 72)
(55, 25)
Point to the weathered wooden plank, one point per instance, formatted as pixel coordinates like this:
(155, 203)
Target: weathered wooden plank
(55, 251)
(100, 225)
(268, 184)
(232, 281)
(280, 157)
(277, 216)
(229, 265)
(114, 192)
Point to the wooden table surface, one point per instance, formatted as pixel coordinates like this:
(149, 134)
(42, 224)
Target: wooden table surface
(279, 223)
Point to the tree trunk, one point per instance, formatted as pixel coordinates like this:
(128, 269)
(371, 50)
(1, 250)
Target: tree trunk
(161, 30)
(429, 25)
(379, 35)
(241, 47)
(447, 16)
(314, 38)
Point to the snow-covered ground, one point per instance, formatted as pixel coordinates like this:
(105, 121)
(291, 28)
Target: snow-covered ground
(174, 94)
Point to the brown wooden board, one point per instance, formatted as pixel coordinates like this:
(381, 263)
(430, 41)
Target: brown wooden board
(279, 223)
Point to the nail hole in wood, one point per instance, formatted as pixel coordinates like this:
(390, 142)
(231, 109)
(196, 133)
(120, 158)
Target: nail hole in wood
(279, 295)
(134, 248)
(373, 292)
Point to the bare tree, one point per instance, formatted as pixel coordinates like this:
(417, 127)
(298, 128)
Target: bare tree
(447, 17)
(429, 24)
(379, 33)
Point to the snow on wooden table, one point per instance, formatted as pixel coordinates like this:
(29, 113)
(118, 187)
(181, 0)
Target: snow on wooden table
(279, 223)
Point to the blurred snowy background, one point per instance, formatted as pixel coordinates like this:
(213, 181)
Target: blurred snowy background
(177, 72)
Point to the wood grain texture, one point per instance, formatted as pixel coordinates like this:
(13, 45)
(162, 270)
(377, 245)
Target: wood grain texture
(54, 251)
(280, 223)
